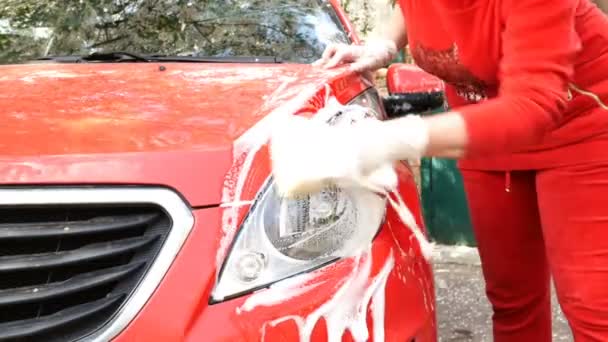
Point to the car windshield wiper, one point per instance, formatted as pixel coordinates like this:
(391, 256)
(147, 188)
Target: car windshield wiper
(115, 56)
(215, 59)
(119, 56)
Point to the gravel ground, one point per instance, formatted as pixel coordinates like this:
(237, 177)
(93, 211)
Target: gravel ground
(463, 311)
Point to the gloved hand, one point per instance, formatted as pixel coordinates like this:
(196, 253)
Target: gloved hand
(363, 58)
(308, 154)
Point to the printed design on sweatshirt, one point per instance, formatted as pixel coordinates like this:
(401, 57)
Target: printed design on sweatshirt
(446, 65)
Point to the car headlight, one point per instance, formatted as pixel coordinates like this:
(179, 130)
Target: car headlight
(371, 99)
(283, 237)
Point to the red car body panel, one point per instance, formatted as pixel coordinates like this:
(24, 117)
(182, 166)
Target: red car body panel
(124, 123)
(175, 125)
(179, 311)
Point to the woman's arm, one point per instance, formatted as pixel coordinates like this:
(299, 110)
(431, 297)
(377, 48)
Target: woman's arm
(447, 135)
(534, 75)
(396, 30)
(539, 46)
(375, 54)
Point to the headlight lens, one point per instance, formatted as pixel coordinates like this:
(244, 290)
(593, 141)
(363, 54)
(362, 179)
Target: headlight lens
(311, 227)
(371, 99)
(284, 237)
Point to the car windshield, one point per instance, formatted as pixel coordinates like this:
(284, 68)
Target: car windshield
(291, 30)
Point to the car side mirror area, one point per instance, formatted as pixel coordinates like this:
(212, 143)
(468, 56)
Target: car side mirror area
(412, 90)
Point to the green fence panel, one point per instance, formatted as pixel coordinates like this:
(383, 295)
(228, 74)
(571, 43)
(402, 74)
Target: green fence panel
(399, 58)
(444, 203)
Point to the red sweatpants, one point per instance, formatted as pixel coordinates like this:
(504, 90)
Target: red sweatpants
(533, 224)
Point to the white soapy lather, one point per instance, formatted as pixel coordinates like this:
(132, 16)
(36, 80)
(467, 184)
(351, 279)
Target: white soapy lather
(310, 154)
(244, 150)
(345, 311)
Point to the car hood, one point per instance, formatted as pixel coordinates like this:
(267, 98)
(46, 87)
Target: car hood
(173, 124)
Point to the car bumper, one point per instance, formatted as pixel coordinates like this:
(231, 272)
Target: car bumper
(179, 310)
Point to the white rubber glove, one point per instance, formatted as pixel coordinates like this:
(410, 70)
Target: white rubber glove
(307, 154)
(363, 58)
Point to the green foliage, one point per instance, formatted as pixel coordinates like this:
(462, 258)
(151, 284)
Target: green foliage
(166, 27)
(360, 11)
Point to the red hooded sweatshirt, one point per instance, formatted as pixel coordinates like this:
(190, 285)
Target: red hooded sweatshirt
(530, 77)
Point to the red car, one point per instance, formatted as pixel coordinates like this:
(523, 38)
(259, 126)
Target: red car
(137, 202)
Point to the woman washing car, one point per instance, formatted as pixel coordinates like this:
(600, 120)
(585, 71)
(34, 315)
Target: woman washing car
(527, 82)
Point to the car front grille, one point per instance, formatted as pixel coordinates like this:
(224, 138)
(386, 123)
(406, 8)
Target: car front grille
(74, 268)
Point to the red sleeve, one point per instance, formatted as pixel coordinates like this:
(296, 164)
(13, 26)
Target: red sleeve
(539, 46)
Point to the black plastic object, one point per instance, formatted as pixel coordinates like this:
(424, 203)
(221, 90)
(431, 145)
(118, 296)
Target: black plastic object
(66, 270)
(117, 57)
(397, 105)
